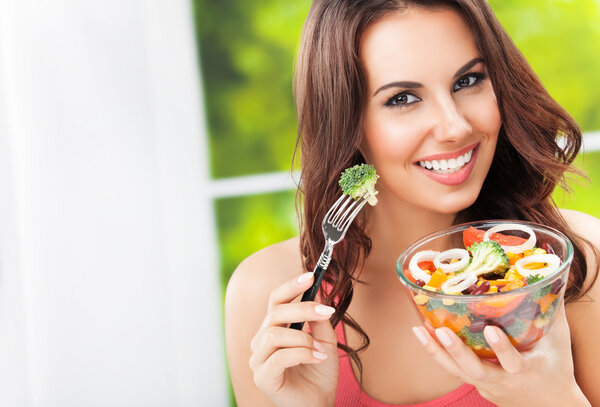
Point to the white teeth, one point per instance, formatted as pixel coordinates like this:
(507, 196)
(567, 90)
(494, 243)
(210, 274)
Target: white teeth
(446, 166)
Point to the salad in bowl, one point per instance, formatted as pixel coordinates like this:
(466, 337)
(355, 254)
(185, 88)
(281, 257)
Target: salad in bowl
(511, 274)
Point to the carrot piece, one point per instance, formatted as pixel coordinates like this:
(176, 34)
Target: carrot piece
(546, 301)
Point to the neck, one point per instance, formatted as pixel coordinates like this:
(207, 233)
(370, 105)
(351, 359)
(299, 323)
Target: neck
(393, 226)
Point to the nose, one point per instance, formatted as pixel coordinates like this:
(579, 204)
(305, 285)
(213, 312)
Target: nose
(451, 124)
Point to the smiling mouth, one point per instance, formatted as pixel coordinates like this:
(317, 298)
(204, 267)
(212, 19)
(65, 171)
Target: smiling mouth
(447, 166)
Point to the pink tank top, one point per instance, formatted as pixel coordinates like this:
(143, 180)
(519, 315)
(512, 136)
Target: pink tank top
(349, 393)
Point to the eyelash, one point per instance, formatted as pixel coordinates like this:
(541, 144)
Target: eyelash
(477, 76)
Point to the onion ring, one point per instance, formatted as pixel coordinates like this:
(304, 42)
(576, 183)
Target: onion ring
(459, 283)
(530, 243)
(417, 272)
(552, 259)
(461, 254)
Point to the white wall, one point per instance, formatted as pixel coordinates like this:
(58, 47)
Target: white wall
(108, 278)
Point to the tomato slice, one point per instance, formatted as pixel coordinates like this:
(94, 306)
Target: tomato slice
(472, 235)
(496, 307)
(427, 265)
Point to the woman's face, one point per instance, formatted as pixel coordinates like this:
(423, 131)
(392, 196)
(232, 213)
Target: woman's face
(431, 119)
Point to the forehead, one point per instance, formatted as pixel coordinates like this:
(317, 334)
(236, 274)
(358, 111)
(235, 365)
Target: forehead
(414, 43)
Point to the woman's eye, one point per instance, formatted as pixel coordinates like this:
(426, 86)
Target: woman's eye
(468, 80)
(402, 100)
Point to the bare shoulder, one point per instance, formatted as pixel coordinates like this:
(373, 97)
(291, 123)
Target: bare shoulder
(584, 314)
(246, 303)
(265, 270)
(588, 227)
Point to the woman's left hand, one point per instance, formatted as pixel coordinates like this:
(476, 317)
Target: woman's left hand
(542, 376)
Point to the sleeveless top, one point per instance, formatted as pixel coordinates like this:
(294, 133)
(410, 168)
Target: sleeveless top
(349, 393)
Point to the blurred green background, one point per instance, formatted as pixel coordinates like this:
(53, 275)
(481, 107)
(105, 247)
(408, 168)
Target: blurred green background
(247, 51)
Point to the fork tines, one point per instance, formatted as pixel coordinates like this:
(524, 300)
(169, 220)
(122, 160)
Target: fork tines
(343, 216)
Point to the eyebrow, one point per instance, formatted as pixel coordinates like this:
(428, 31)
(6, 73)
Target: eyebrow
(414, 85)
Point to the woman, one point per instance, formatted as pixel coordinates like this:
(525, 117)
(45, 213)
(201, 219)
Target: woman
(395, 83)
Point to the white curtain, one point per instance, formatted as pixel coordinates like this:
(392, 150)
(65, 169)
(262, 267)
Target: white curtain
(109, 292)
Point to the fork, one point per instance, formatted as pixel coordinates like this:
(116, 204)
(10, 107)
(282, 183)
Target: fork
(335, 224)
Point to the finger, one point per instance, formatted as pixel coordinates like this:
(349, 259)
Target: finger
(464, 357)
(510, 359)
(276, 337)
(437, 352)
(290, 290)
(324, 333)
(284, 314)
(275, 365)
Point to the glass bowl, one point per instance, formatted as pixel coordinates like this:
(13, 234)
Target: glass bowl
(525, 314)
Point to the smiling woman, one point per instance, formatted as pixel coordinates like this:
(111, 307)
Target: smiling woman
(438, 98)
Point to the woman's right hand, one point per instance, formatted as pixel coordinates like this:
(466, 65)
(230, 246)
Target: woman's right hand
(293, 367)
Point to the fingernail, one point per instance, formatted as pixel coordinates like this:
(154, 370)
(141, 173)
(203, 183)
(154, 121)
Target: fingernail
(443, 336)
(324, 310)
(319, 355)
(491, 335)
(420, 335)
(304, 277)
(319, 346)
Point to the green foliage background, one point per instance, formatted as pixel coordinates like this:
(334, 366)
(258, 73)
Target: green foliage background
(247, 51)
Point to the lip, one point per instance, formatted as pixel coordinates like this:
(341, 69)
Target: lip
(454, 178)
(446, 156)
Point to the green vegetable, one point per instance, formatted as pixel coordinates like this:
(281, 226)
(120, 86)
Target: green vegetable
(488, 257)
(457, 308)
(516, 328)
(533, 278)
(541, 292)
(359, 181)
(473, 338)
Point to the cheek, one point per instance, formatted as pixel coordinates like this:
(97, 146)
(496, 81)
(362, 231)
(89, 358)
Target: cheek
(483, 114)
(390, 138)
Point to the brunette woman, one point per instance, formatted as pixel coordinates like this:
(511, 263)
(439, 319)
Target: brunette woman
(394, 83)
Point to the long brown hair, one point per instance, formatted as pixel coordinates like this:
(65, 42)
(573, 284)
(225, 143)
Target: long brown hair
(537, 142)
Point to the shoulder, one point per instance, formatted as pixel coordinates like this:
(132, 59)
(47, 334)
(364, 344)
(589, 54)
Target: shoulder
(588, 227)
(583, 314)
(246, 303)
(266, 269)
(248, 290)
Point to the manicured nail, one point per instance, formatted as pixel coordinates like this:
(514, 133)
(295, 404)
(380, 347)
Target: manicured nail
(420, 335)
(319, 346)
(319, 355)
(443, 336)
(491, 334)
(304, 277)
(324, 310)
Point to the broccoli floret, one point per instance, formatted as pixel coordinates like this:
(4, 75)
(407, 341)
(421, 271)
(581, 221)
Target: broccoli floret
(516, 328)
(359, 181)
(542, 292)
(473, 338)
(534, 278)
(457, 308)
(488, 257)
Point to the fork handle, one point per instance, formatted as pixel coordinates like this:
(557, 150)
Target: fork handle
(311, 293)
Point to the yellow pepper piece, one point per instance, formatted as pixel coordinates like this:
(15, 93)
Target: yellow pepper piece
(437, 279)
(535, 265)
(493, 289)
(498, 282)
(528, 252)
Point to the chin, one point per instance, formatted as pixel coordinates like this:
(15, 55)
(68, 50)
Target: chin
(455, 202)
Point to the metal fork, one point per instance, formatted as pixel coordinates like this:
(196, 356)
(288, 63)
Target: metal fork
(335, 224)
